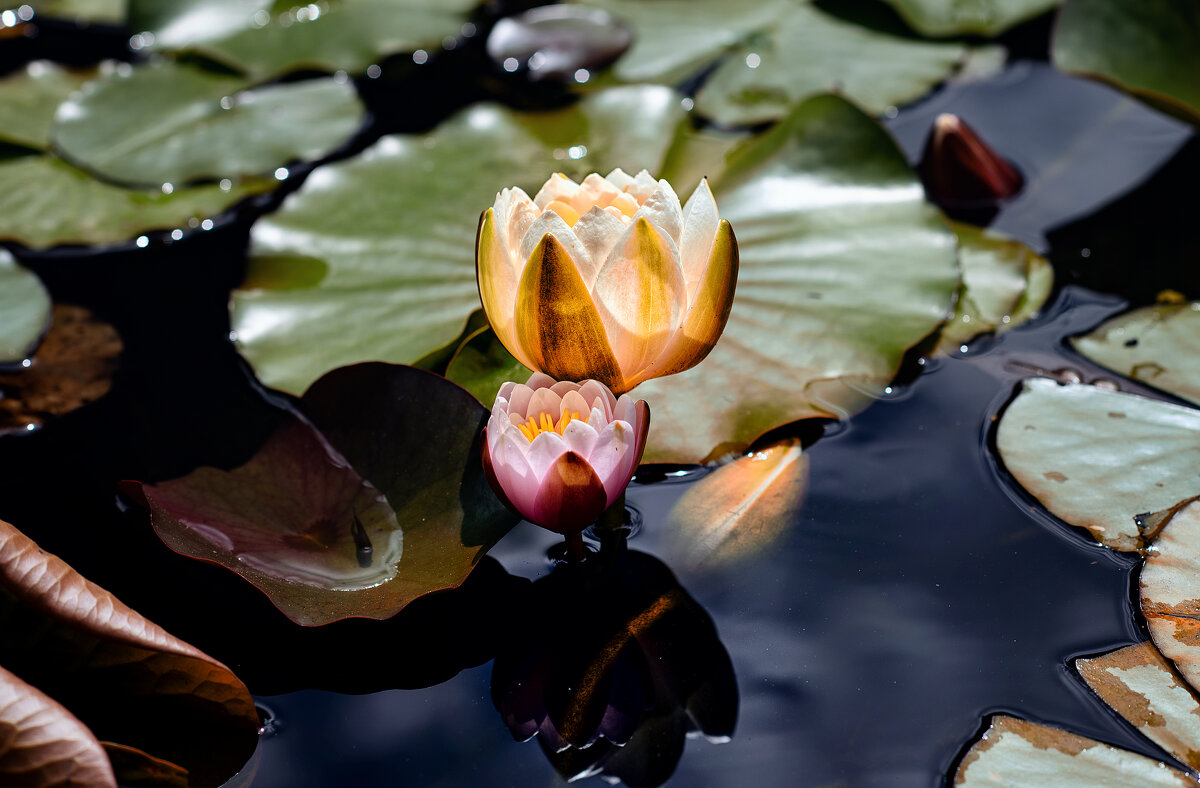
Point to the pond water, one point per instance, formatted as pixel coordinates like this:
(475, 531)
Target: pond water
(917, 591)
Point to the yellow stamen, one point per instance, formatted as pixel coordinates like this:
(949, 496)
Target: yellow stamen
(543, 423)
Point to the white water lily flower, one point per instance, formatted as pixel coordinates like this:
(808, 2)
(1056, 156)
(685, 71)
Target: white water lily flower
(609, 279)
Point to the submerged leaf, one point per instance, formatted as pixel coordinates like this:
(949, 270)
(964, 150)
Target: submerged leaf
(42, 745)
(30, 97)
(382, 501)
(1099, 459)
(117, 672)
(1143, 688)
(1170, 592)
(172, 123)
(740, 508)
(974, 17)
(1149, 47)
(1013, 753)
(1157, 345)
(73, 366)
(110, 12)
(24, 310)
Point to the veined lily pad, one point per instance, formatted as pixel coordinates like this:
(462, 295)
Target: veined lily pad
(44, 745)
(45, 201)
(844, 266)
(975, 17)
(263, 38)
(118, 673)
(1149, 47)
(1170, 591)
(740, 508)
(108, 12)
(396, 229)
(29, 99)
(1144, 689)
(24, 309)
(1157, 345)
(303, 521)
(172, 123)
(1013, 753)
(1110, 462)
(1004, 284)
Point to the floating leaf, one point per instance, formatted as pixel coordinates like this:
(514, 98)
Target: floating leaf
(1013, 753)
(171, 123)
(484, 364)
(118, 673)
(1004, 284)
(1099, 459)
(73, 366)
(263, 38)
(24, 309)
(109, 12)
(1143, 688)
(42, 745)
(975, 17)
(29, 99)
(807, 51)
(1170, 591)
(740, 508)
(1150, 48)
(1157, 345)
(44, 201)
(844, 266)
(396, 229)
(386, 502)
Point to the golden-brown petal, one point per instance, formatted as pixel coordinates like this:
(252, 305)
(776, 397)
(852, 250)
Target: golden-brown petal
(498, 279)
(641, 296)
(571, 495)
(557, 323)
(705, 320)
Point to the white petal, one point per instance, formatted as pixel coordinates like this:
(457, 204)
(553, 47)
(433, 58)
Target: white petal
(642, 187)
(626, 409)
(593, 391)
(663, 211)
(551, 223)
(581, 437)
(597, 420)
(558, 187)
(514, 472)
(619, 178)
(545, 449)
(594, 191)
(505, 391)
(598, 230)
(700, 222)
(521, 215)
(609, 457)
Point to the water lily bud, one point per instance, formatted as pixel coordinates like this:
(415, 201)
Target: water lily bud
(609, 279)
(962, 173)
(560, 453)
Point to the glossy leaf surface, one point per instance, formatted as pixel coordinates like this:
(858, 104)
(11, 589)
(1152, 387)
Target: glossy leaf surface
(396, 229)
(1144, 689)
(740, 508)
(110, 12)
(383, 501)
(171, 123)
(117, 672)
(30, 97)
(262, 38)
(44, 201)
(1157, 345)
(973, 17)
(24, 309)
(1013, 753)
(1099, 459)
(1149, 47)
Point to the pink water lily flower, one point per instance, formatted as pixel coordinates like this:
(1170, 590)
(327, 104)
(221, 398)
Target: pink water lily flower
(560, 452)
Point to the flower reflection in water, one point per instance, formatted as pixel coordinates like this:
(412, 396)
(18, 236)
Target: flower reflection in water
(614, 665)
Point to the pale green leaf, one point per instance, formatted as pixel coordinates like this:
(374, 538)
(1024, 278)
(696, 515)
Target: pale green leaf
(1157, 345)
(24, 309)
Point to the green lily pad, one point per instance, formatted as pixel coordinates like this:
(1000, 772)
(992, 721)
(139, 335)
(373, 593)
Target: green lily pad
(483, 365)
(1143, 688)
(383, 501)
(774, 53)
(1013, 753)
(105, 12)
(262, 38)
(396, 226)
(1157, 345)
(1103, 460)
(171, 123)
(975, 17)
(1170, 592)
(29, 99)
(45, 201)
(1004, 284)
(1150, 48)
(24, 309)
(844, 266)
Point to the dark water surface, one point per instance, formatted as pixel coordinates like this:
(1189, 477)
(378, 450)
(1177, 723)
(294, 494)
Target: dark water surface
(916, 592)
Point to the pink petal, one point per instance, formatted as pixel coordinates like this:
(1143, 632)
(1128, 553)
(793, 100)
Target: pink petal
(514, 473)
(572, 401)
(518, 404)
(580, 437)
(545, 449)
(571, 495)
(609, 457)
(591, 390)
(540, 380)
(544, 401)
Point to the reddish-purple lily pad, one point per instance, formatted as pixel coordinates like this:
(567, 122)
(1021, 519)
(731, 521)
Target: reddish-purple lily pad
(380, 499)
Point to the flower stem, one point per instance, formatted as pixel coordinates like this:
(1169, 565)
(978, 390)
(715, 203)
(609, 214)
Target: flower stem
(575, 548)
